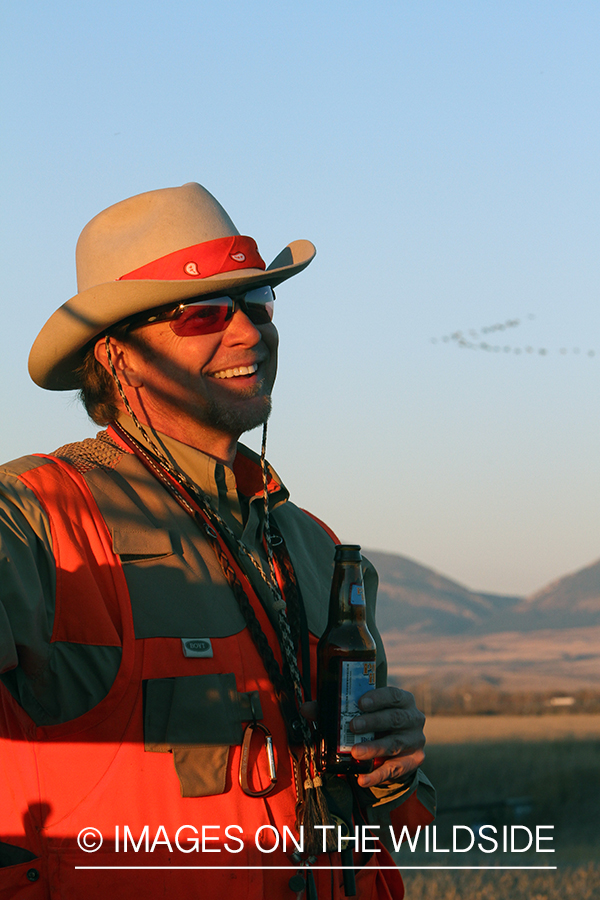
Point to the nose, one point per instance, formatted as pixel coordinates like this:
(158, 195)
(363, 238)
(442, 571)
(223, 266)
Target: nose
(241, 330)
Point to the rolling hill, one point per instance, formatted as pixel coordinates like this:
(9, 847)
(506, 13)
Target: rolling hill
(440, 633)
(418, 600)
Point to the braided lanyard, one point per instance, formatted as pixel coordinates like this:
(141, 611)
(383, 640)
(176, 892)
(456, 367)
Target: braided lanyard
(208, 522)
(311, 804)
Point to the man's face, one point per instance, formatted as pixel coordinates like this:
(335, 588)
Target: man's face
(219, 382)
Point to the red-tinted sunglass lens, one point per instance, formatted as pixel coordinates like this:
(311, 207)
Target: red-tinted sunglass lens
(204, 317)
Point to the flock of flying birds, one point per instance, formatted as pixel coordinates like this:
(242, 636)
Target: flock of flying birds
(478, 340)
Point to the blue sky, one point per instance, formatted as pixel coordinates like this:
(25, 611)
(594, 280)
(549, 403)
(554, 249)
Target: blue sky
(442, 156)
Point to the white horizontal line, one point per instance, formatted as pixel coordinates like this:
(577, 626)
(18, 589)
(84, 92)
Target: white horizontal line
(325, 868)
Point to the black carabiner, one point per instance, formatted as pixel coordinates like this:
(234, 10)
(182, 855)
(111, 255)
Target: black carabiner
(243, 775)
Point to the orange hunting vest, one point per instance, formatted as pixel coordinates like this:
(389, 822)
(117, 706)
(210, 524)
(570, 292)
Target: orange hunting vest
(109, 775)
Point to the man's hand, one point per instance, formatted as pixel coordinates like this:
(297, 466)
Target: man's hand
(399, 747)
(391, 713)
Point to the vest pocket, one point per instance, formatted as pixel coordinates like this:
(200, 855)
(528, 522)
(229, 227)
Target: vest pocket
(20, 879)
(138, 543)
(197, 718)
(202, 771)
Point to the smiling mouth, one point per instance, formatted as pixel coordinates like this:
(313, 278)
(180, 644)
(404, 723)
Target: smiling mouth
(236, 372)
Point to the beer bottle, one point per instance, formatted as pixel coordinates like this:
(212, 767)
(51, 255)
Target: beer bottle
(345, 665)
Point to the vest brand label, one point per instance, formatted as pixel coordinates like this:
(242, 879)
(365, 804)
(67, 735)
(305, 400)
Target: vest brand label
(196, 647)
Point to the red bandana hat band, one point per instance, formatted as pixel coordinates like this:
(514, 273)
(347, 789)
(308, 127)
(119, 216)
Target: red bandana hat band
(202, 260)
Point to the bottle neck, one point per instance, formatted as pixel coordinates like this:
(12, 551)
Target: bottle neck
(347, 599)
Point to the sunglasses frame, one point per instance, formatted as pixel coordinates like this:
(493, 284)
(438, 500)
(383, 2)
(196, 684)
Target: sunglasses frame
(172, 314)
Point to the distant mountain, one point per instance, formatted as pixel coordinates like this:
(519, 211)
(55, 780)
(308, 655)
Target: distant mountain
(439, 633)
(570, 602)
(418, 600)
(414, 598)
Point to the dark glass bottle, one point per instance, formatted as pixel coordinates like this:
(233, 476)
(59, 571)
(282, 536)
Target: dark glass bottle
(345, 665)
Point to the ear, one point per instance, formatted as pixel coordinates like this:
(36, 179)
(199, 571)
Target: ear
(122, 360)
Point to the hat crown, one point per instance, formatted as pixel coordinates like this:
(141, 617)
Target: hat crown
(143, 228)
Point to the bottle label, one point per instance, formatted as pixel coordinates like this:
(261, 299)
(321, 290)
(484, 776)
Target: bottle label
(357, 678)
(357, 595)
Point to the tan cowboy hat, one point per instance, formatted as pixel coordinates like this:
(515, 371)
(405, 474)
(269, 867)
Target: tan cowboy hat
(145, 252)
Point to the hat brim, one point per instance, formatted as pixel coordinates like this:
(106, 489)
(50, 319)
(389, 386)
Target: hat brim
(60, 347)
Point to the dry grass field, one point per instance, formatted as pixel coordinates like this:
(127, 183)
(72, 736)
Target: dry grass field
(491, 770)
(571, 883)
(567, 659)
(476, 729)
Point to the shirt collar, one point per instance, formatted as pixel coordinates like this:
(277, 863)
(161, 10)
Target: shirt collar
(215, 479)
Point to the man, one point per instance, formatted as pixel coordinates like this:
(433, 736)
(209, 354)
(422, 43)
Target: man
(161, 598)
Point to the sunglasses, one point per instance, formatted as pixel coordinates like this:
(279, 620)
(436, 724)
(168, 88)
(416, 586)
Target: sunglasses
(213, 314)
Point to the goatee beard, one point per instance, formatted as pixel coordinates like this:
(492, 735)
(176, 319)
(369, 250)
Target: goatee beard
(237, 420)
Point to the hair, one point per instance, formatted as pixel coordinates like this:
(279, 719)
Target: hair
(97, 390)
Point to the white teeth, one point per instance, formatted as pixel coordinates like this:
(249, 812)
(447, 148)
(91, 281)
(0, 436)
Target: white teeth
(233, 373)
